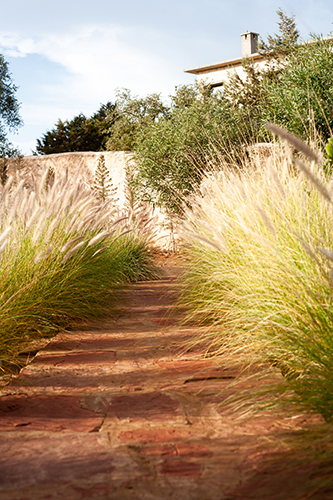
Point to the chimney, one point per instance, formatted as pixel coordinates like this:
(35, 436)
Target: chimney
(249, 43)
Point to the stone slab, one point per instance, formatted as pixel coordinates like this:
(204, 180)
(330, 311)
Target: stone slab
(47, 413)
(123, 409)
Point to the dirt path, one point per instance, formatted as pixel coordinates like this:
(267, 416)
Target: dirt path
(119, 411)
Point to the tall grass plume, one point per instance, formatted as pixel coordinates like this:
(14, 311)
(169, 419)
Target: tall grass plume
(259, 248)
(63, 257)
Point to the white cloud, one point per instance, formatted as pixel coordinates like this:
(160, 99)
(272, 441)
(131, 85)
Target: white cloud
(96, 60)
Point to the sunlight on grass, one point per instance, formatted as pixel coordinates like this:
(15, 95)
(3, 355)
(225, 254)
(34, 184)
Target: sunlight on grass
(64, 255)
(260, 248)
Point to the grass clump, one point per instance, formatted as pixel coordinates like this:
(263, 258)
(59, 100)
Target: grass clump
(259, 247)
(63, 258)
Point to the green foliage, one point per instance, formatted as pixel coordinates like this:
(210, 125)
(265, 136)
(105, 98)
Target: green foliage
(80, 133)
(174, 144)
(302, 98)
(166, 174)
(295, 87)
(294, 90)
(329, 149)
(247, 92)
(173, 152)
(329, 157)
(252, 92)
(280, 45)
(114, 127)
(203, 126)
(134, 115)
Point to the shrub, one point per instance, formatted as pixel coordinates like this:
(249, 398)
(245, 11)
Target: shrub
(301, 99)
(203, 126)
(173, 152)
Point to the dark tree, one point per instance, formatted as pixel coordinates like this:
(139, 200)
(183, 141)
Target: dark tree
(79, 134)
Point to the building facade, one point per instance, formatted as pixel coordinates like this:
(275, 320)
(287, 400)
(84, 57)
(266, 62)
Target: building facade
(216, 74)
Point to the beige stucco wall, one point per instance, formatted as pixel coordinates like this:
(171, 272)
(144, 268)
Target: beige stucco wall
(214, 77)
(86, 162)
(116, 162)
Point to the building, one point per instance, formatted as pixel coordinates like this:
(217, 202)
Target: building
(216, 74)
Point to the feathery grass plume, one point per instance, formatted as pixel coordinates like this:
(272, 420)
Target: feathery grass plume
(15, 200)
(5, 233)
(319, 185)
(80, 206)
(53, 222)
(327, 253)
(100, 237)
(54, 267)
(86, 221)
(3, 245)
(39, 228)
(6, 189)
(276, 179)
(49, 179)
(73, 251)
(40, 186)
(3, 169)
(207, 241)
(118, 221)
(265, 218)
(293, 140)
(122, 234)
(70, 243)
(268, 299)
(33, 218)
(100, 250)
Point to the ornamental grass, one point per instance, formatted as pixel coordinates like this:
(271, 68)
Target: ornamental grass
(259, 274)
(64, 257)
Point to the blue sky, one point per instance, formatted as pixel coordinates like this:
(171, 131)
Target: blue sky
(69, 56)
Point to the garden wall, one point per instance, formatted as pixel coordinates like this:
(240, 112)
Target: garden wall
(86, 162)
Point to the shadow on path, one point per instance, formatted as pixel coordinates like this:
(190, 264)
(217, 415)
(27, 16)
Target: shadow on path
(119, 410)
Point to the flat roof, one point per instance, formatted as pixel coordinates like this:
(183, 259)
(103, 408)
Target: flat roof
(229, 63)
